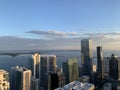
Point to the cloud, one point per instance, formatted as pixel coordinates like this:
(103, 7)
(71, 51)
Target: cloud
(18, 43)
(54, 33)
(114, 33)
(49, 33)
(57, 34)
(62, 40)
(111, 35)
(103, 34)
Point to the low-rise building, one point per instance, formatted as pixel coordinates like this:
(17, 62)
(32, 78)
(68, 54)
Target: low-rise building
(76, 85)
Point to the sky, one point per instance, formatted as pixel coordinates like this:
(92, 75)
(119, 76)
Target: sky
(58, 24)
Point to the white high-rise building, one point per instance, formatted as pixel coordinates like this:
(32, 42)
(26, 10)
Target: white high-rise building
(4, 80)
(20, 78)
(35, 65)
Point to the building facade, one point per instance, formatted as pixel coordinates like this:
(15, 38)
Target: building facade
(20, 78)
(106, 65)
(35, 83)
(114, 67)
(55, 80)
(86, 56)
(35, 65)
(70, 70)
(99, 63)
(47, 64)
(4, 80)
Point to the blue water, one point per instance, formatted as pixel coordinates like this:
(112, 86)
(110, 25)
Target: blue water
(6, 62)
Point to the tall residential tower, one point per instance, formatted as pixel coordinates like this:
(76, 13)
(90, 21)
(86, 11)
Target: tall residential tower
(4, 80)
(35, 65)
(47, 64)
(20, 78)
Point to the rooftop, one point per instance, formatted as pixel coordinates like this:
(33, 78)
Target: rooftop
(76, 85)
(48, 55)
(17, 68)
(2, 71)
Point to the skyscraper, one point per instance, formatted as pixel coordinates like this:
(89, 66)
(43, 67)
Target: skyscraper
(20, 78)
(35, 83)
(47, 64)
(99, 63)
(114, 67)
(4, 80)
(86, 56)
(70, 70)
(55, 80)
(106, 65)
(35, 65)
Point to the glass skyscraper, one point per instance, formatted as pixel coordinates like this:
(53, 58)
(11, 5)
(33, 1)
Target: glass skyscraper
(114, 67)
(70, 70)
(86, 56)
(99, 62)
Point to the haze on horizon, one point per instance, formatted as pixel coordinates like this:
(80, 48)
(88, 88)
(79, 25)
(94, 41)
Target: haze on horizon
(59, 24)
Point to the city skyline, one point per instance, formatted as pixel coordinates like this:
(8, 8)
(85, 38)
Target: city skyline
(74, 73)
(59, 24)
